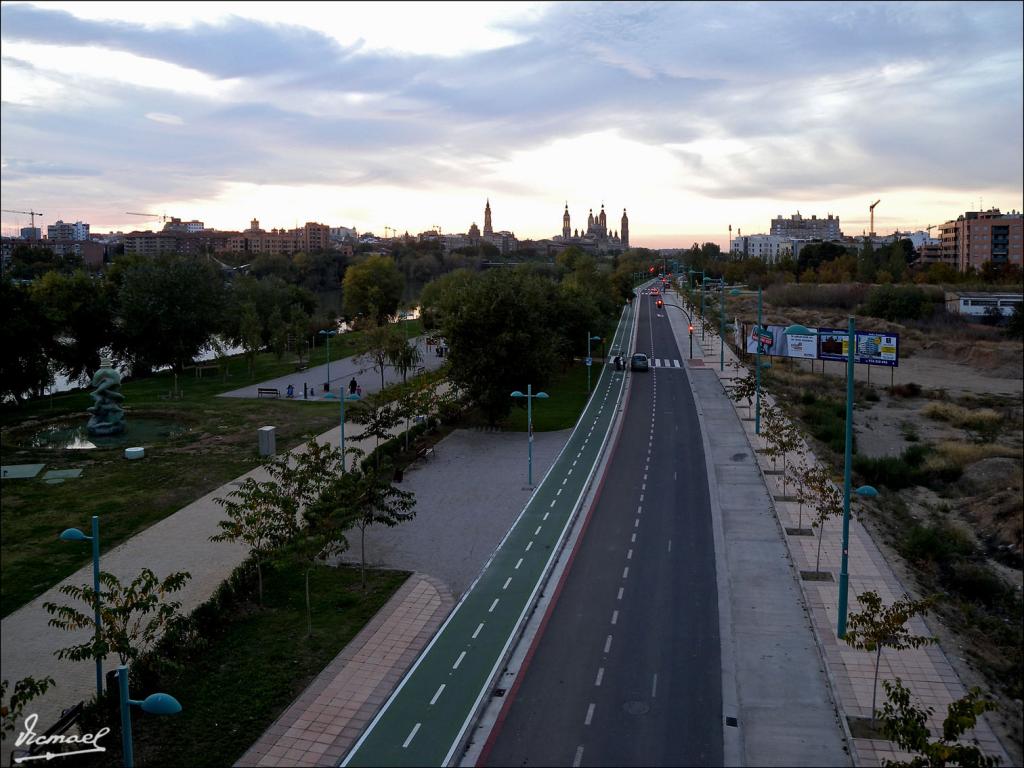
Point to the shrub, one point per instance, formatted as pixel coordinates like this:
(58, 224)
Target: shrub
(899, 302)
(935, 544)
(894, 472)
(821, 296)
(826, 420)
(906, 390)
(976, 583)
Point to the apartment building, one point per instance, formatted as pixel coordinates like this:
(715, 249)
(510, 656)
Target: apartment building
(62, 231)
(767, 248)
(807, 229)
(979, 236)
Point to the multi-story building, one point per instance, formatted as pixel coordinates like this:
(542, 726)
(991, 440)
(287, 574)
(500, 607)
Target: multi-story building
(31, 233)
(62, 231)
(979, 236)
(767, 248)
(807, 229)
(596, 238)
(180, 242)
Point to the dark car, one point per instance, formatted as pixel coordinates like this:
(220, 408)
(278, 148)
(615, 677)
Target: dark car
(639, 363)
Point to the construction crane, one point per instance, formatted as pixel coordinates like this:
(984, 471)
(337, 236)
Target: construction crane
(871, 233)
(163, 217)
(31, 214)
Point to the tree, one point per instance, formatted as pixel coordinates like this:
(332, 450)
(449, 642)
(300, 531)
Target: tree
(380, 343)
(256, 518)
(278, 334)
(373, 288)
(169, 307)
(377, 419)
(782, 437)
(878, 626)
(743, 390)
(25, 690)
(906, 724)
(26, 336)
(1015, 326)
(403, 356)
(798, 474)
(414, 401)
(80, 308)
(828, 503)
(362, 498)
(298, 329)
(251, 335)
(133, 616)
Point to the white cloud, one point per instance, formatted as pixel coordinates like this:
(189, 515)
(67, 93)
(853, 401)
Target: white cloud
(160, 117)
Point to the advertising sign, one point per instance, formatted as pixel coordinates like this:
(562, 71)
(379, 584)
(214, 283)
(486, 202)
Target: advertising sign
(871, 348)
(775, 342)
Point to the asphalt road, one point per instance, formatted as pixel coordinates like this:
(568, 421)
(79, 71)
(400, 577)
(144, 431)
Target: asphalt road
(627, 670)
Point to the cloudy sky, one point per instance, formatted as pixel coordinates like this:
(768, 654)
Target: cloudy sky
(693, 116)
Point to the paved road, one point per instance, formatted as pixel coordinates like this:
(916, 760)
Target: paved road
(627, 671)
(426, 720)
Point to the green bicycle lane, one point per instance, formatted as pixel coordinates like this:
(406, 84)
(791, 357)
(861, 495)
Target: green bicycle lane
(427, 717)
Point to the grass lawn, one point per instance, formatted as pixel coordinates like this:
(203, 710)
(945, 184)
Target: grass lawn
(129, 496)
(249, 670)
(567, 396)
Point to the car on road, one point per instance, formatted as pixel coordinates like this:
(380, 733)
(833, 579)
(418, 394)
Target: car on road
(639, 362)
(654, 291)
(659, 303)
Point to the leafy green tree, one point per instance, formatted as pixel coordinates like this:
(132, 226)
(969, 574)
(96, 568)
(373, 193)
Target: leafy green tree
(134, 616)
(828, 503)
(880, 626)
(255, 518)
(25, 690)
(251, 333)
(377, 418)
(169, 308)
(432, 298)
(26, 339)
(278, 334)
(867, 264)
(379, 343)
(1015, 326)
(80, 308)
(502, 332)
(373, 288)
(363, 498)
(403, 356)
(906, 724)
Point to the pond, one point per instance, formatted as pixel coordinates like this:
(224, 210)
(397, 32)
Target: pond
(74, 435)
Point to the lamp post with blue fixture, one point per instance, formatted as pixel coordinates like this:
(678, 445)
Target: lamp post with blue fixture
(328, 334)
(154, 704)
(73, 534)
(529, 426)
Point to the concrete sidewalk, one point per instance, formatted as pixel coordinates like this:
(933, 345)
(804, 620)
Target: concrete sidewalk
(925, 671)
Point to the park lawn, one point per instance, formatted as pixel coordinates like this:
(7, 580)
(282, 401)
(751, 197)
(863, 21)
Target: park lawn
(567, 397)
(129, 496)
(250, 669)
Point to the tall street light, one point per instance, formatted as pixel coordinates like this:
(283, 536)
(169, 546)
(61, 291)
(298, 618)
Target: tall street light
(864, 490)
(73, 534)
(590, 360)
(154, 704)
(328, 334)
(757, 363)
(342, 397)
(529, 426)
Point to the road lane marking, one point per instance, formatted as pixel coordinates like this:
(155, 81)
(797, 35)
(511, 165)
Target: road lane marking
(568, 473)
(654, 686)
(559, 492)
(519, 563)
(636, 523)
(411, 736)
(565, 480)
(438, 694)
(507, 582)
(615, 617)
(641, 497)
(576, 761)
(574, 463)
(491, 609)
(670, 545)
(545, 516)
(479, 627)
(600, 676)
(645, 477)
(639, 509)
(459, 660)
(607, 643)
(590, 714)
(625, 572)
(633, 539)
(629, 555)
(643, 486)
(528, 546)
(538, 530)
(553, 502)
(619, 597)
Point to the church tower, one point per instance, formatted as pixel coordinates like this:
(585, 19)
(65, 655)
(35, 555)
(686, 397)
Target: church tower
(624, 231)
(590, 222)
(488, 230)
(602, 221)
(566, 230)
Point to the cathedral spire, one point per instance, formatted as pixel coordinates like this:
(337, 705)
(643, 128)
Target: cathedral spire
(566, 230)
(488, 230)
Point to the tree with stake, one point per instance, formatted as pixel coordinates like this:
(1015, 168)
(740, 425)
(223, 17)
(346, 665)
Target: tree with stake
(798, 474)
(133, 617)
(743, 390)
(772, 427)
(362, 498)
(255, 519)
(377, 420)
(879, 626)
(828, 503)
(906, 724)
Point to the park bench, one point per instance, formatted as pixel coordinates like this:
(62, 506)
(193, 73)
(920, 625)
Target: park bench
(301, 365)
(267, 392)
(68, 718)
(426, 452)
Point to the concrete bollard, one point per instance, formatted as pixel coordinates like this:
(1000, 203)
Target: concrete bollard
(267, 440)
(134, 453)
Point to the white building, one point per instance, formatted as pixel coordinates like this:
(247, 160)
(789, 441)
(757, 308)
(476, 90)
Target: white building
(767, 248)
(977, 304)
(62, 231)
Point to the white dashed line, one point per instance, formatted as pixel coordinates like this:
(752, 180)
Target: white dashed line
(519, 563)
(615, 617)
(565, 480)
(576, 761)
(590, 714)
(625, 572)
(545, 516)
(643, 486)
(538, 530)
(629, 555)
(437, 695)
(670, 545)
(607, 643)
(411, 736)
(493, 605)
(600, 676)
(641, 497)
(507, 582)
(645, 476)
(559, 493)
(528, 546)
(654, 686)
(553, 502)
(459, 660)
(479, 627)
(619, 597)
(636, 523)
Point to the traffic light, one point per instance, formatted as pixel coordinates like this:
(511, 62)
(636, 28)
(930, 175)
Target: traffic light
(651, 270)
(660, 303)
(691, 329)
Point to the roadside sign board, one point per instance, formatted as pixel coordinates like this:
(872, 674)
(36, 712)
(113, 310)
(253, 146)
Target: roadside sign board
(588, 360)
(871, 347)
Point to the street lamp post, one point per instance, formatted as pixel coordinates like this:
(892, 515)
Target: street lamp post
(73, 534)
(529, 426)
(154, 704)
(328, 334)
(589, 358)
(864, 490)
(721, 330)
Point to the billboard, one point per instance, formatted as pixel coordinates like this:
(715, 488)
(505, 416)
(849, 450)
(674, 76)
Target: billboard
(871, 348)
(775, 342)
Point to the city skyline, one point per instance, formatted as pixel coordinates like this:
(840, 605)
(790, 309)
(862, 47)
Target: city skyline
(226, 112)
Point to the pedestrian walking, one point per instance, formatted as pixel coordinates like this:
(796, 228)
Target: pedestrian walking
(352, 386)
